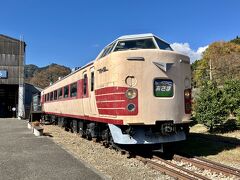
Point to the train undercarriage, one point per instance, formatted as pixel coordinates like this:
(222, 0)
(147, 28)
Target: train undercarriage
(152, 137)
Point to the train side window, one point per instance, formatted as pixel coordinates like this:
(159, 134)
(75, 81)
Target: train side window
(47, 96)
(59, 93)
(85, 84)
(51, 96)
(92, 81)
(73, 90)
(66, 91)
(55, 95)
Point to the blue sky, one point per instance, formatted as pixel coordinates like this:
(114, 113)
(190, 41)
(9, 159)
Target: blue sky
(72, 32)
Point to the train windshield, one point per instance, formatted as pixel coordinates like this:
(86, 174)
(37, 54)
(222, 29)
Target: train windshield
(163, 45)
(135, 44)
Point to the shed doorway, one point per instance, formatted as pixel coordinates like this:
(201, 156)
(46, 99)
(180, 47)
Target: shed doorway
(8, 100)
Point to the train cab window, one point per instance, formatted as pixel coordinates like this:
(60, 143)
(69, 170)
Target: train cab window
(51, 96)
(135, 44)
(163, 45)
(92, 81)
(59, 93)
(66, 91)
(55, 95)
(107, 50)
(85, 84)
(45, 98)
(73, 90)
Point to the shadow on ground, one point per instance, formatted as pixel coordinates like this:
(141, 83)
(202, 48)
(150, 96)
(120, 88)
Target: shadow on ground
(199, 144)
(47, 134)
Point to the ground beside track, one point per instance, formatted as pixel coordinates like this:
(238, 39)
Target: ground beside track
(222, 148)
(113, 164)
(24, 156)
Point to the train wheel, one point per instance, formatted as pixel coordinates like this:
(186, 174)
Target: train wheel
(186, 130)
(82, 128)
(82, 133)
(109, 140)
(169, 150)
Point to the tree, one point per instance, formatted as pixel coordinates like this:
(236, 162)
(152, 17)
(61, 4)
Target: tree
(211, 106)
(225, 61)
(200, 72)
(231, 91)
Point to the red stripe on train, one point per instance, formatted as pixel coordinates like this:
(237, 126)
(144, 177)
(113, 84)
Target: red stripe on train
(118, 112)
(111, 97)
(121, 104)
(113, 101)
(107, 90)
(96, 119)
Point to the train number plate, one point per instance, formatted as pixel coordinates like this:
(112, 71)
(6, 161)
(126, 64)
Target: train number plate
(163, 88)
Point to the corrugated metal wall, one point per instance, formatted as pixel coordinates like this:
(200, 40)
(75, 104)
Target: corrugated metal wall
(12, 52)
(12, 57)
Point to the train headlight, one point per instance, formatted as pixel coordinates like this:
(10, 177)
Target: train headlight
(187, 94)
(187, 100)
(131, 93)
(131, 107)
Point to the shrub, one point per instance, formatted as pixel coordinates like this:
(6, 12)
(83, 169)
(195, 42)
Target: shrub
(238, 116)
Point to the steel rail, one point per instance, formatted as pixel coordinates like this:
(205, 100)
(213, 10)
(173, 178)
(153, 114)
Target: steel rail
(205, 165)
(182, 169)
(233, 170)
(164, 169)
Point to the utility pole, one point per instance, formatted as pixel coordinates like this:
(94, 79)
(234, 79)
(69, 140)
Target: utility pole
(21, 93)
(210, 71)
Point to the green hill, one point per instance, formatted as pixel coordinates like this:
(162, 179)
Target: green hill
(236, 40)
(41, 77)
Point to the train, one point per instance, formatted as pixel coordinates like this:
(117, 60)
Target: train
(136, 92)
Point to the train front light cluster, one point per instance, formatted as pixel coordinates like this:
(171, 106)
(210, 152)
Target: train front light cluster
(131, 93)
(187, 101)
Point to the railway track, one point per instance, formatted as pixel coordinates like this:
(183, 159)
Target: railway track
(210, 165)
(171, 168)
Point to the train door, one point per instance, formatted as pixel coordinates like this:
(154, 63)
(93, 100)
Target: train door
(85, 98)
(92, 99)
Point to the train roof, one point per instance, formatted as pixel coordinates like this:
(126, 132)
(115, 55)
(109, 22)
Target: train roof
(139, 36)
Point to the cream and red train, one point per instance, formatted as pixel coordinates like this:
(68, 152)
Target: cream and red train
(137, 91)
